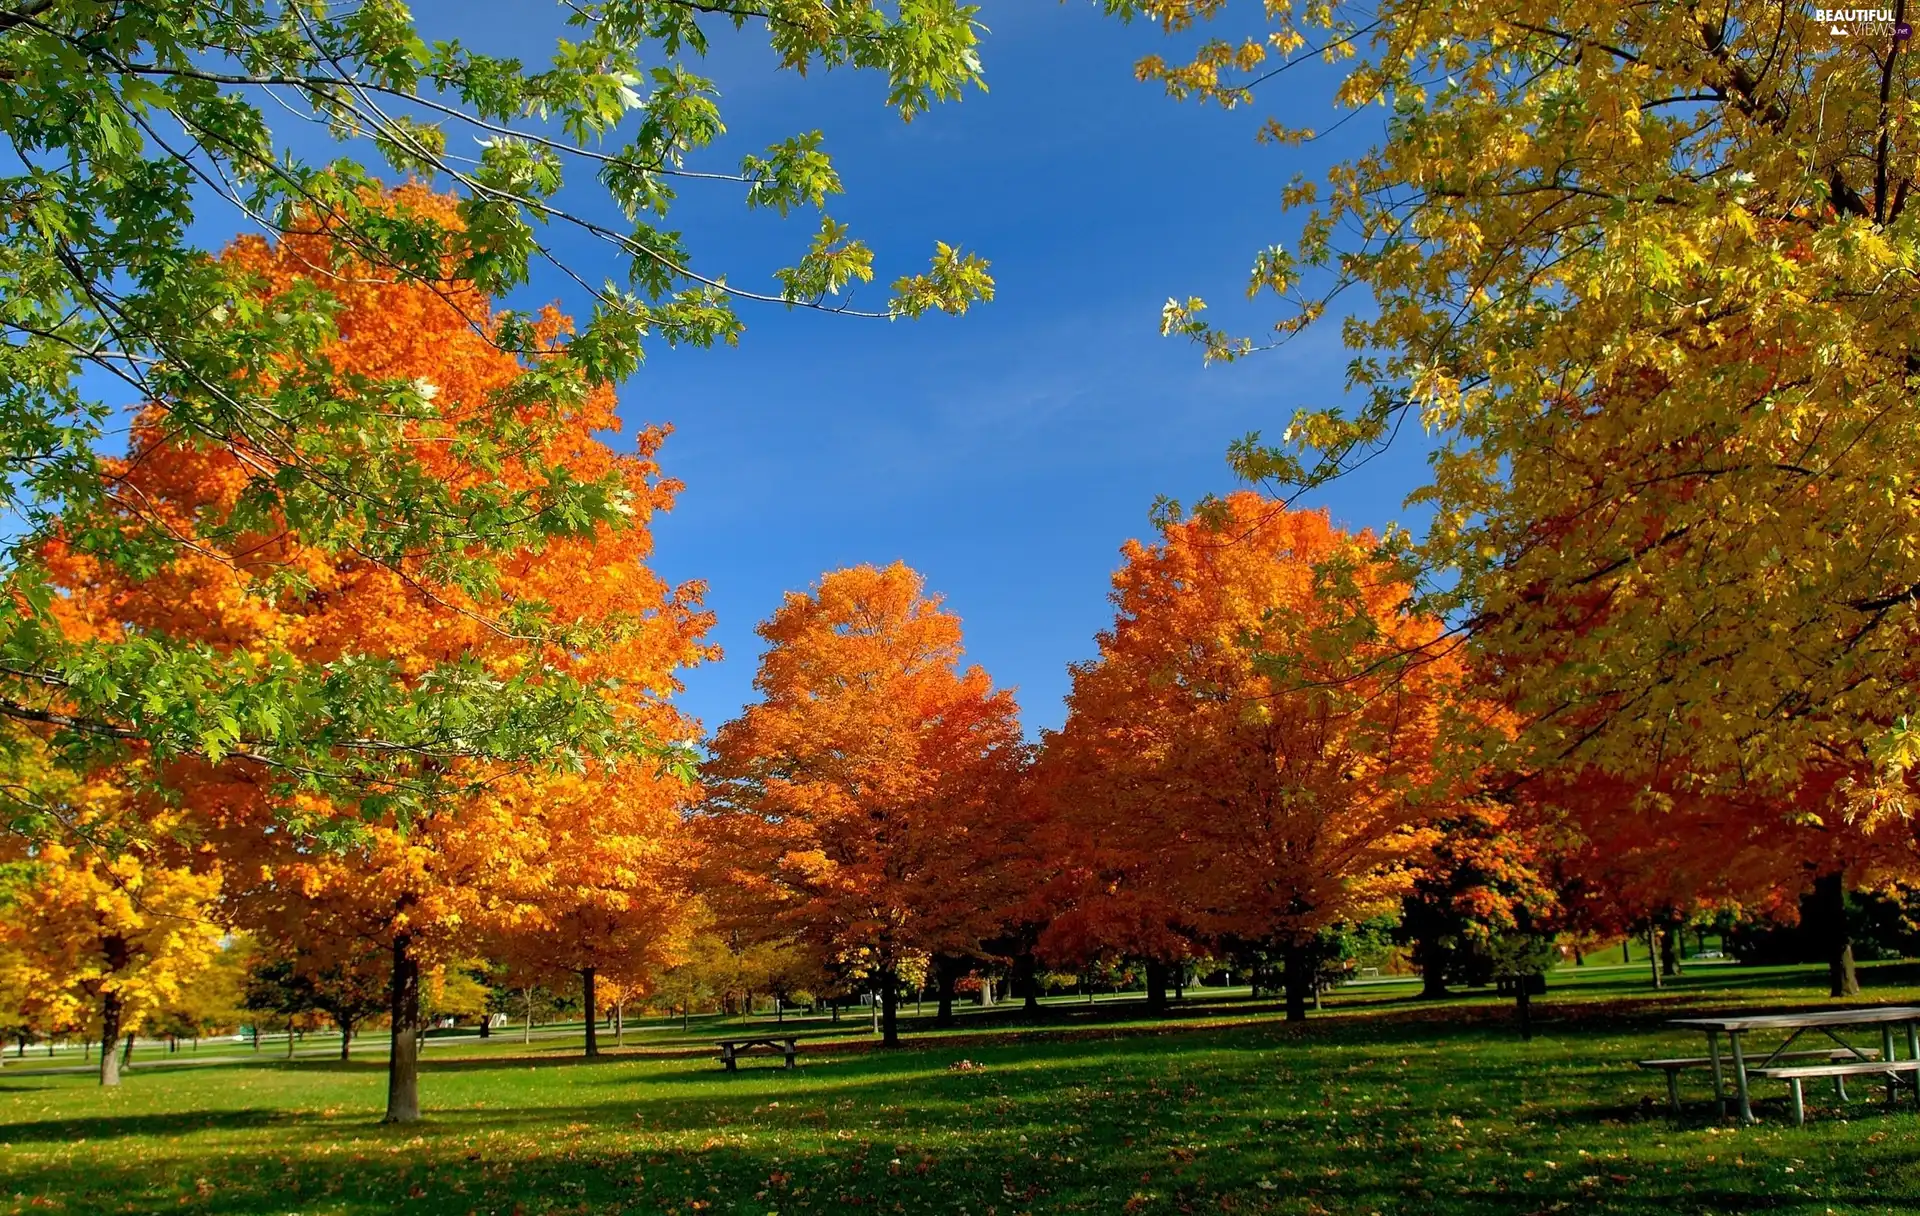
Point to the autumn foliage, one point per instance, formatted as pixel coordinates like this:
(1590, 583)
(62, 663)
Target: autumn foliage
(1251, 757)
(848, 801)
(472, 848)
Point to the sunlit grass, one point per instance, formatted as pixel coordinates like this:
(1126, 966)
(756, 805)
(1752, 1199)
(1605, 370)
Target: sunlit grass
(1382, 1103)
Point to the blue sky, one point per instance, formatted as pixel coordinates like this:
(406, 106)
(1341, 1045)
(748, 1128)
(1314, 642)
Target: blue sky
(1007, 454)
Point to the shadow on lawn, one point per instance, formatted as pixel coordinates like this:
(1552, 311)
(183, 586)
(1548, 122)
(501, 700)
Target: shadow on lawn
(110, 1127)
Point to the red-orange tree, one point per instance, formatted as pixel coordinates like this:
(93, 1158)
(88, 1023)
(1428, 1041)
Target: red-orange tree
(434, 839)
(844, 799)
(1250, 759)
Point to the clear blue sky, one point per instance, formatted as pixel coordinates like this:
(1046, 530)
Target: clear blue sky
(1007, 454)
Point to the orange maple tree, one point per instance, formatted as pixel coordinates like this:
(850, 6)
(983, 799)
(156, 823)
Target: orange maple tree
(1250, 759)
(844, 801)
(603, 892)
(584, 605)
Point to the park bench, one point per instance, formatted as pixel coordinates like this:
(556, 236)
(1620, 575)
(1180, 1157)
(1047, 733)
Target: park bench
(1674, 1067)
(731, 1049)
(1891, 1069)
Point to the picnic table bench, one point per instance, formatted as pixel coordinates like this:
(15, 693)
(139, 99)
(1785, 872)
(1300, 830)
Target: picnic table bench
(731, 1049)
(1845, 1059)
(1676, 1065)
(1839, 1071)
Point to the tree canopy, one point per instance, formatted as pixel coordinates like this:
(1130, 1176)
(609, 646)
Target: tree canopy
(1646, 274)
(129, 123)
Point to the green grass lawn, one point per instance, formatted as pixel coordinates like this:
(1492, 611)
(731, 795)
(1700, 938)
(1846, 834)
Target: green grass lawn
(1380, 1104)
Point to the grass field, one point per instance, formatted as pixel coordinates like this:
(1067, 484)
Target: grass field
(1380, 1104)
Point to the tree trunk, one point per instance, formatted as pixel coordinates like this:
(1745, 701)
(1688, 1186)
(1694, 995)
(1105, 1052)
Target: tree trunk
(256, 1034)
(1026, 973)
(620, 1023)
(889, 1009)
(1299, 981)
(289, 1038)
(346, 1037)
(126, 1051)
(1523, 1005)
(1653, 953)
(946, 974)
(587, 997)
(1156, 986)
(486, 1023)
(686, 1016)
(1669, 950)
(526, 1035)
(403, 1052)
(1626, 951)
(109, 1035)
(1830, 926)
(1433, 969)
(1179, 982)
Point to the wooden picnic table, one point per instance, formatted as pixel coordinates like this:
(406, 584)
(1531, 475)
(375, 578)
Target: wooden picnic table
(730, 1049)
(1827, 1022)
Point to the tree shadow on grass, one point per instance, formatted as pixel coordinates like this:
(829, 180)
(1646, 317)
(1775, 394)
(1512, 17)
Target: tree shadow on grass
(109, 1127)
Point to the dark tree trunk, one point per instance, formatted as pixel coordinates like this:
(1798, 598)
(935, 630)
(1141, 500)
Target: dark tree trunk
(1299, 981)
(1433, 958)
(109, 1035)
(289, 1038)
(1179, 982)
(587, 997)
(1026, 974)
(1669, 950)
(346, 1037)
(126, 1051)
(1156, 986)
(1829, 907)
(403, 1052)
(889, 1009)
(486, 1024)
(1626, 950)
(946, 974)
(1523, 1005)
(1653, 953)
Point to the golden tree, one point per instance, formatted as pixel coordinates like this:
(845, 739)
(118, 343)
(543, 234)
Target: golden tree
(108, 926)
(1647, 274)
